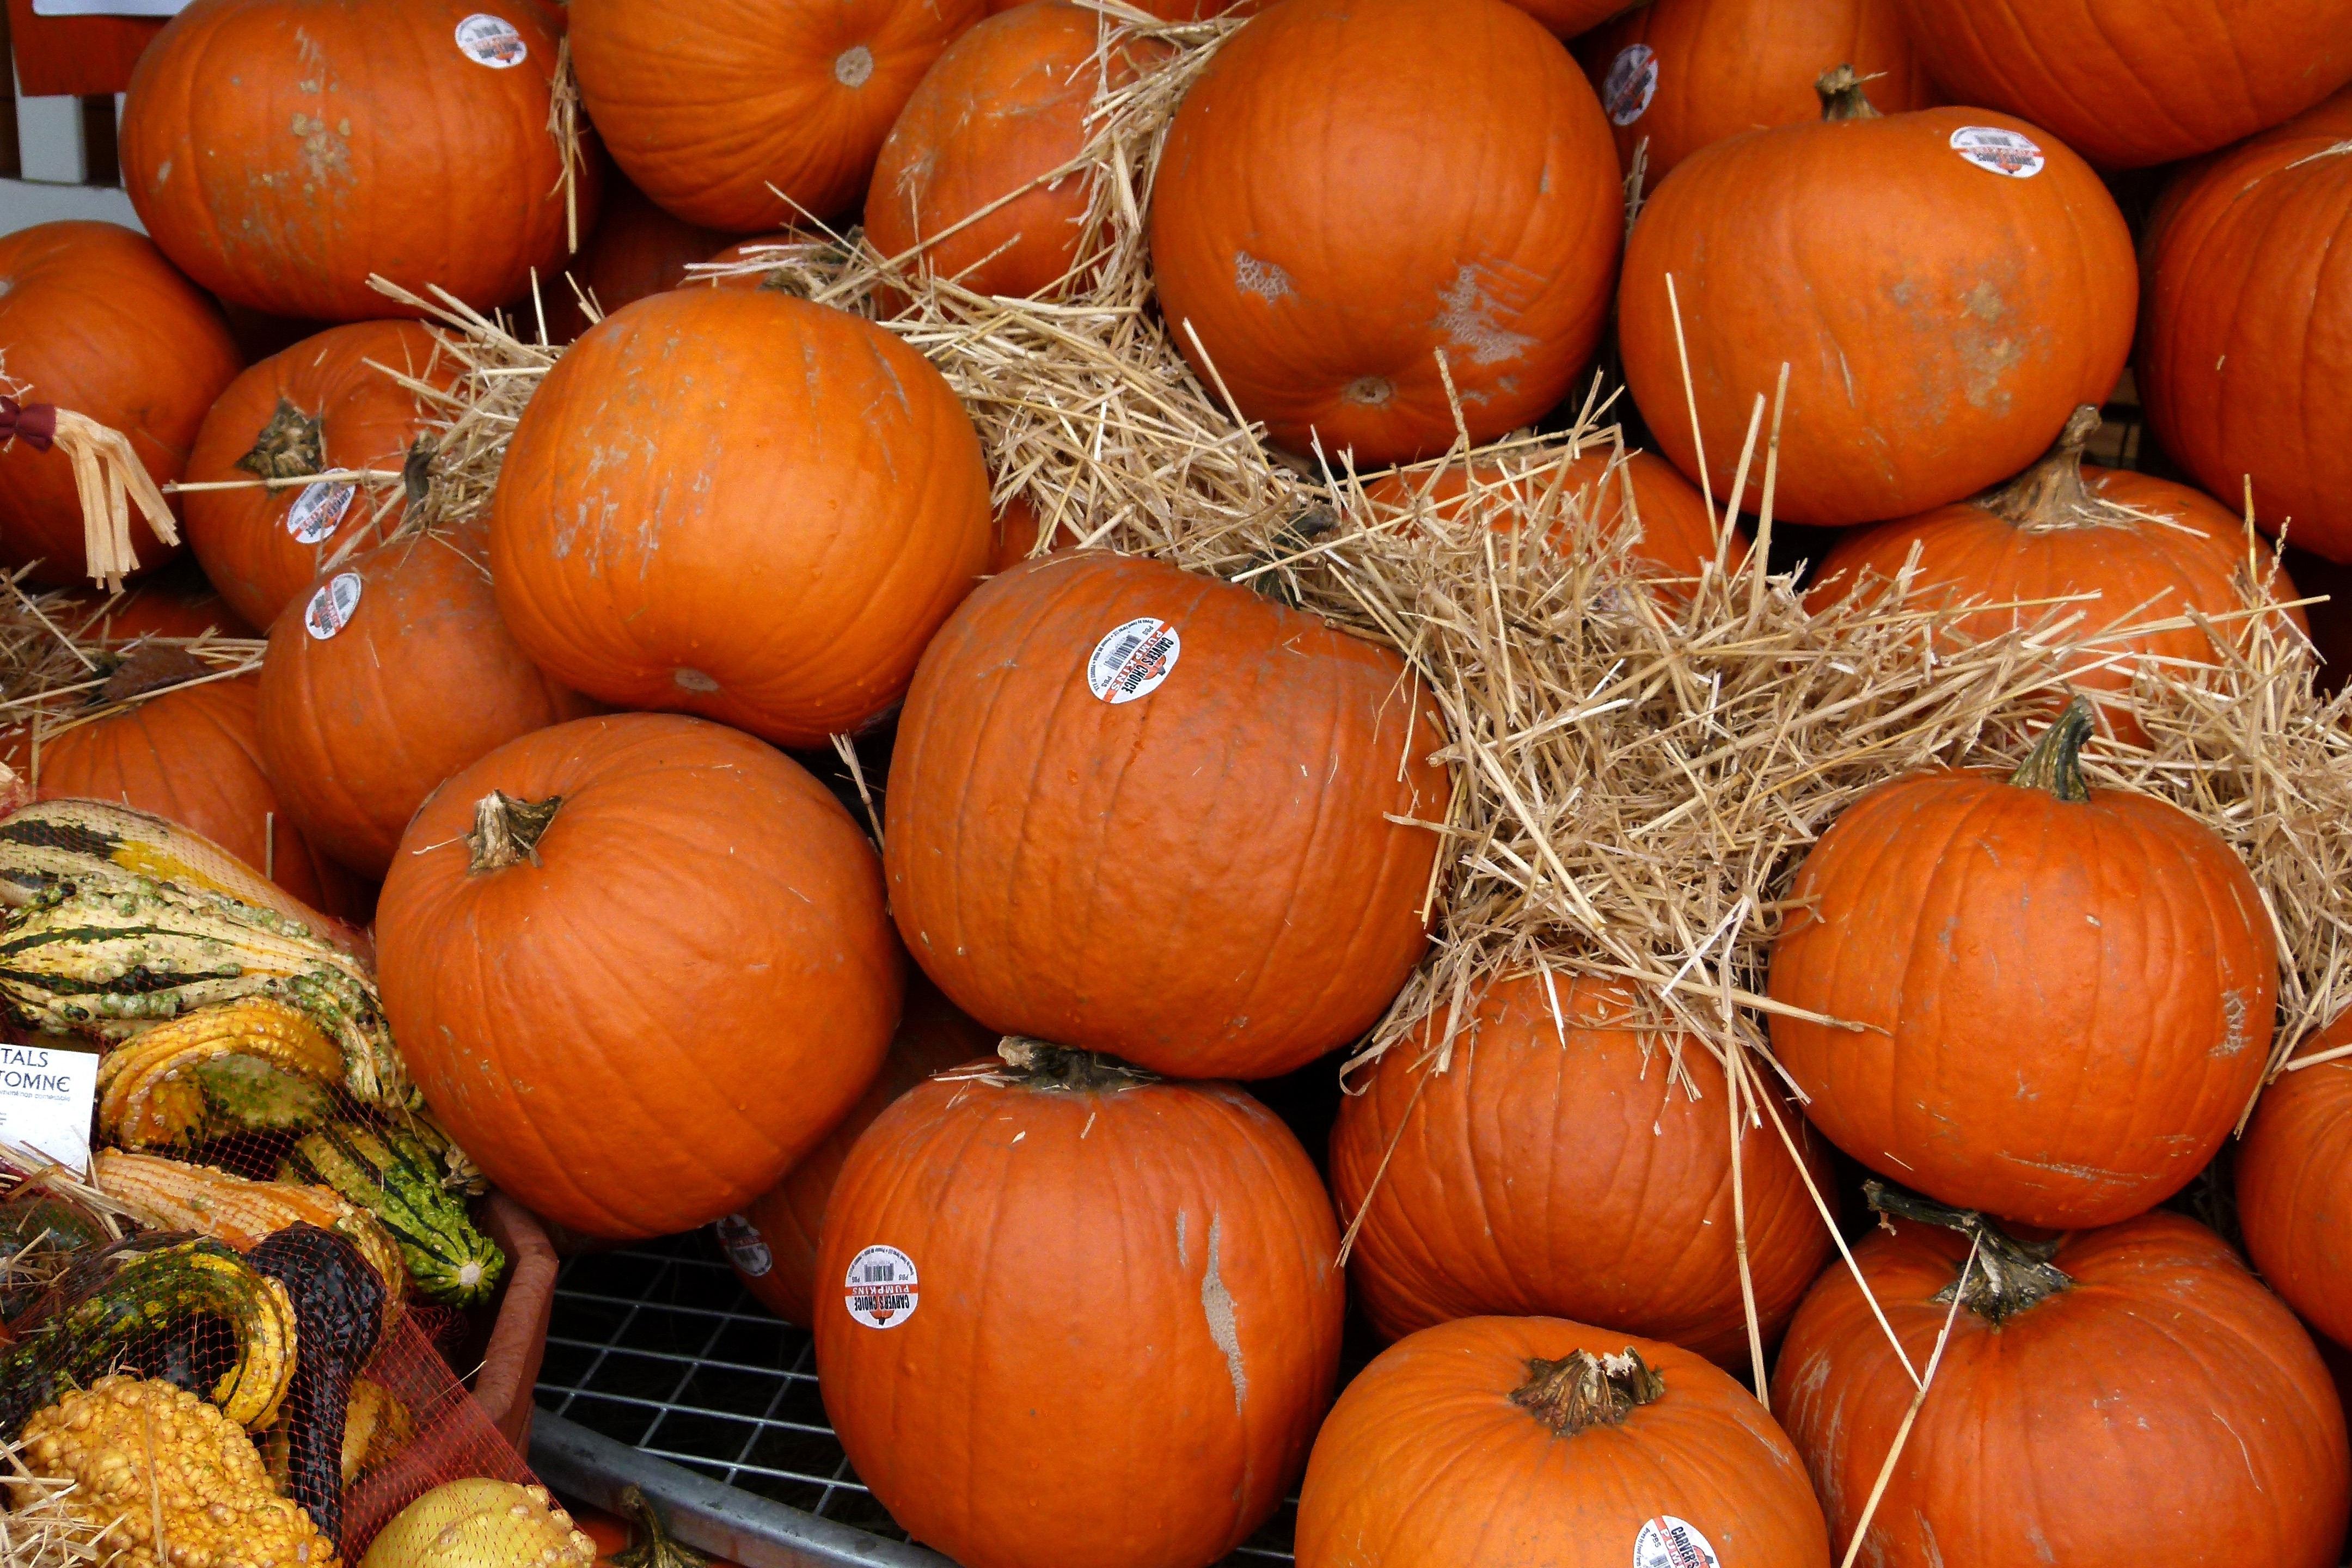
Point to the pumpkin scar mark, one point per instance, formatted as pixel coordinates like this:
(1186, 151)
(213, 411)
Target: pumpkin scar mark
(1262, 279)
(1183, 1252)
(1217, 1306)
(2233, 1018)
(2088, 1173)
(323, 153)
(1467, 317)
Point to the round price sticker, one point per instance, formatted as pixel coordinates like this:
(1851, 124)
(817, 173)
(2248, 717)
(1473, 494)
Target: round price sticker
(881, 1288)
(333, 605)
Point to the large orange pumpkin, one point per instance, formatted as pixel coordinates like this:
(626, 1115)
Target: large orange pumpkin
(1940, 315)
(1559, 1167)
(2064, 994)
(2128, 84)
(1152, 813)
(415, 677)
(637, 249)
(321, 406)
(281, 151)
(2294, 1187)
(1323, 273)
(1053, 1267)
(2249, 301)
(639, 965)
(178, 602)
(772, 1242)
(707, 107)
(1682, 74)
(1495, 1441)
(836, 511)
(92, 319)
(2151, 1402)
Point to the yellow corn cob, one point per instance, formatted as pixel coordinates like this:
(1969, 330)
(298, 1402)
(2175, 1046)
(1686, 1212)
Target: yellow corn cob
(145, 1097)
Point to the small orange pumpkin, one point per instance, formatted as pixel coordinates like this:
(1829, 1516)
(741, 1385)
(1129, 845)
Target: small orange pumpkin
(636, 249)
(2295, 1186)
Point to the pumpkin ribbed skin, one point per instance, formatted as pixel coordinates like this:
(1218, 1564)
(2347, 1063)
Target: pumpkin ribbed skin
(2248, 307)
(357, 729)
(1322, 277)
(2294, 1187)
(178, 602)
(2166, 1409)
(1127, 1290)
(94, 319)
(646, 1028)
(407, 157)
(1567, 1179)
(364, 419)
(839, 512)
(1426, 1462)
(1717, 67)
(637, 249)
(1167, 10)
(1940, 320)
(2128, 84)
(1203, 880)
(706, 106)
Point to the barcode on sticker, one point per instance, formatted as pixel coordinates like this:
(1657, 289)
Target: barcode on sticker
(1666, 1542)
(1133, 659)
(881, 1288)
(331, 606)
(318, 511)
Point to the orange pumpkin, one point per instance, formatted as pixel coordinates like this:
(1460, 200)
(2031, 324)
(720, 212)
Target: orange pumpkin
(2295, 1186)
(92, 319)
(772, 1242)
(1527, 1440)
(707, 107)
(838, 512)
(405, 138)
(2248, 296)
(1684, 74)
(2064, 994)
(1018, 529)
(637, 249)
(415, 679)
(321, 406)
(1152, 813)
(2149, 1402)
(1560, 1166)
(177, 602)
(1057, 1267)
(1941, 317)
(759, 248)
(1323, 274)
(2128, 85)
(1167, 10)
(639, 965)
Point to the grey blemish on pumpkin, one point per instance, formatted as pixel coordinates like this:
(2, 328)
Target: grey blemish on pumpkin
(693, 680)
(1262, 279)
(1466, 316)
(853, 65)
(1369, 391)
(2233, 1018)
(1183, 1252)
(1217, 1306)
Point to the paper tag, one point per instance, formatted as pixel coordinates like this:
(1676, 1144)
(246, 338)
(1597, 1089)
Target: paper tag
(1670, 1542)
(745, 1248)
(492, 41)
(318, 511)
(881, 1287)
(1632, 82)
(2002, 151)
(45, 1097)
(1133, 659)
(331, 606)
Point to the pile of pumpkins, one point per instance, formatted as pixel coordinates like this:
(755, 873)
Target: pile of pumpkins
(961, 1091)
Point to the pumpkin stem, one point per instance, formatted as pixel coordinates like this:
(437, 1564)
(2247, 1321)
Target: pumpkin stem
(2009, 1275)
(289, 448)
(2051, 494)
(1042, 1065)
(1841, 96)
(1581, 1390)
(507, 831)
(2055, 764)
(651, 1545)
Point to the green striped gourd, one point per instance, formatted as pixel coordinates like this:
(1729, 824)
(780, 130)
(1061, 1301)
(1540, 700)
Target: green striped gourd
(396, 1176)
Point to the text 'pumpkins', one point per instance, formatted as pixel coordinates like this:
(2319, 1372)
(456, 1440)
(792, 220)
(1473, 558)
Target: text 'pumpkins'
(638, 965)
(1140, 811)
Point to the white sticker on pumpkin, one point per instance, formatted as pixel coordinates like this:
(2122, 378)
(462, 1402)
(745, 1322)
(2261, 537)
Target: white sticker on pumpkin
(2002, 151)
(881, 1287)
(1632, 82)
(746, 1248)
(331, 606)
(1670, 1542)
(1133, 659)
(318, 511)
(492, 41)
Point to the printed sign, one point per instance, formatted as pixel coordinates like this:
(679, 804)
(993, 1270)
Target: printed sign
(46, 1098)
(745, 1248)
(492, 41)
(1670, 1542)
(881, 1287)
(318, 511)
(1133, 659)
(1632, 82)
(333, 605)
(2002, 151)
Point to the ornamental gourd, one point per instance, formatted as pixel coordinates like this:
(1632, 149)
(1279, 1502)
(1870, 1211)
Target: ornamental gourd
(2064, 994)
(2294, 1173)
(405, 138)
(1323, 275)
(1152, 813)
(638, 965)
(1563, 1165)
(2125, 1394)
(1946, 286)
(2247, 294)
(1537, 1440)
(838, 512)
(1053, 1265)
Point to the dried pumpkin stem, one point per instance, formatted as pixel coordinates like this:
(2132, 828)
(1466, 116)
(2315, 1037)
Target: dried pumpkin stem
(1041, 1065)
(507, 831)
(2006, 1277)
(1841, 96)
(651, 1545)
(290, 447)
(2051, 492)
(1582, 1390)
(2055, 764)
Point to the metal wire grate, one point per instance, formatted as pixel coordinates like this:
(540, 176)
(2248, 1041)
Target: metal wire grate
(660, 1348)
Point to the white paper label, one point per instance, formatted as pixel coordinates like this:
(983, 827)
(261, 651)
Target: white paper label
(45, 1096)
(881, 1287)
(1133, 659)
(331, 606)
(1670, 1542)
(492, 41)
(318, 511)
(1632, 82)
(745, 1248)
(2002, 151)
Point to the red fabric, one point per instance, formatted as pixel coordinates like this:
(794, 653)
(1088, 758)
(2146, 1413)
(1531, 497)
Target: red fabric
(84, 56)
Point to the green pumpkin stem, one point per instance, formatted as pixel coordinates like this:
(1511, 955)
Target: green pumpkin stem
(507, 831)
(1841, 96)
(651, 1545)
(1581, 1390)
(2051, 494)
(2055, 762)
(1038, 1063)
(2009, 1275)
